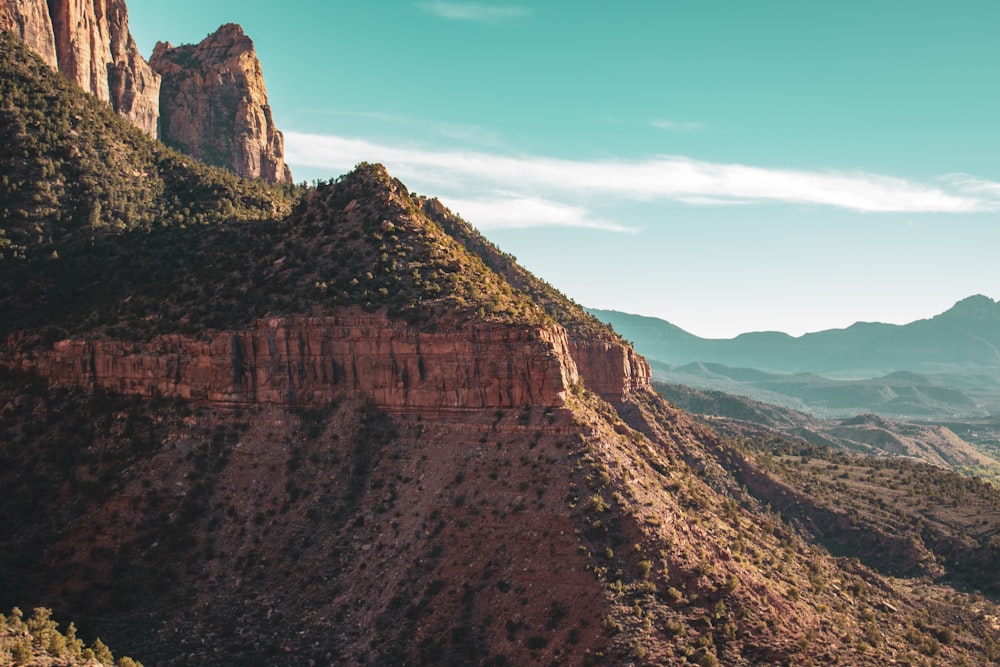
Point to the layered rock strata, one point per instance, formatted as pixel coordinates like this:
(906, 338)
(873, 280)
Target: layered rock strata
(312, 360)
(214, 105)
(610, 368)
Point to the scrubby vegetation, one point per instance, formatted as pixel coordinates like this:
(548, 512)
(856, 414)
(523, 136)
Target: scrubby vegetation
(37, 640)
(951, 521)
(558, 306)
(71, 171)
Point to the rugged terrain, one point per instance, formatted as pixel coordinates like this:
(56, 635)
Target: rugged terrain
(243, 423)
(865, 434)
(208, 100)
(214, 105)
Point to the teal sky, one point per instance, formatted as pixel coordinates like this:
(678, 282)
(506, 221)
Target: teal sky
(726, 166)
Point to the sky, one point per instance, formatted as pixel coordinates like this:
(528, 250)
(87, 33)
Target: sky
(726, 166)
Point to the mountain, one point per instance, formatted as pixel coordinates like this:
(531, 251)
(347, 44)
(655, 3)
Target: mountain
(946, 367)
(208, 100)
(244, 423)
(967, 336)
(214, 105)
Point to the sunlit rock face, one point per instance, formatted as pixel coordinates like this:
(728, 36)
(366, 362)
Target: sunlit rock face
(214, 105)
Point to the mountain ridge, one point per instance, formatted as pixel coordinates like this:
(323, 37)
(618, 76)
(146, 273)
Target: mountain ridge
(656, 335)
(935, 368)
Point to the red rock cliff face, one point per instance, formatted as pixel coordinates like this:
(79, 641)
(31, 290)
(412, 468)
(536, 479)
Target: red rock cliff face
(90, 43)
(610, 368)
(214, 105)
(133, 85)
(30, 20)
(310, 361)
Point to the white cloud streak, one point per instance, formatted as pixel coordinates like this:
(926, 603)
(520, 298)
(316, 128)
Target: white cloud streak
(513, 211)
(975, 186)
(475, 12)
(670, 178)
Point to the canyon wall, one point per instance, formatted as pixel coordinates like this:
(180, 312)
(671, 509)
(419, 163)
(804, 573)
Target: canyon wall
(610, 368)
(210, 101)
(95, 50)
(310, 361)
(214, 106)
(30, 20)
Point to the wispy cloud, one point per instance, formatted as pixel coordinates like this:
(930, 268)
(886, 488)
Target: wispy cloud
(474, 11)
(975, 186)
(513, 211)
(678, 126)
(494, 191)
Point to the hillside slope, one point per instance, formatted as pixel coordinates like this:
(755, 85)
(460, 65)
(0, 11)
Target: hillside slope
(866, 434)
(356, 433)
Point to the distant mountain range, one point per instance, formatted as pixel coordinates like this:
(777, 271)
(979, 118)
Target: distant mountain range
(965, 337)
(943, 367)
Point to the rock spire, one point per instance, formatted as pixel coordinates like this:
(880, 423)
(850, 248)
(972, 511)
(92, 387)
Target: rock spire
(214, 105)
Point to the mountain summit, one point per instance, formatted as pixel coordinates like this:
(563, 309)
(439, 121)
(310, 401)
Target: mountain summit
(976, 308)
(214, 105)
(208, 100)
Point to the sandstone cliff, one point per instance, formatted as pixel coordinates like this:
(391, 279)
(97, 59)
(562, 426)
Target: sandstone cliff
(133, 85)
(310, 361)
(90, 43)
(30, 20)
(214, 105)
(610, 367)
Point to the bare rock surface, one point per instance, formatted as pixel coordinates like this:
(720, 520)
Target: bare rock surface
(214, 105)
(89, 42)
(29, 20)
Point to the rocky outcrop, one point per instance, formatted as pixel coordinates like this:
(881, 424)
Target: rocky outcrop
(30, 20)
(214, 105)
(611, 368)
(90, 43)
(133, 85)
(213, 100)
(311, 361)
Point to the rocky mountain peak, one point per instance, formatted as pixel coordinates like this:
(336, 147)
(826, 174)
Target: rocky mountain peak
(976, 307)
(214, 105)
